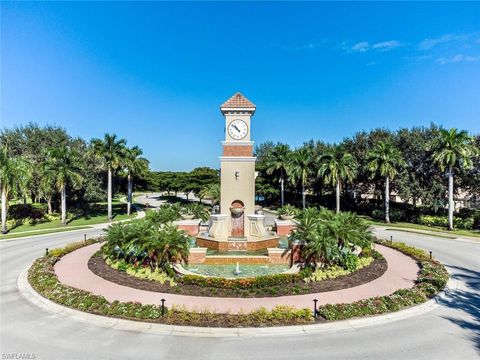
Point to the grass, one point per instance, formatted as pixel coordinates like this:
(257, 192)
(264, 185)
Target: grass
(40, 232)
(95, 214)
(448, 233)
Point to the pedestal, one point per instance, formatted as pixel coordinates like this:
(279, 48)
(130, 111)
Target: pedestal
(219, 226)
(191, 227)
(284, 227)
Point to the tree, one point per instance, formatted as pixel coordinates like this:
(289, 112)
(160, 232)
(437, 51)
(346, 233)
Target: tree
(299, 170)
(211, 192)
(134, 165)
(278, 162)
(453, 149)
(112, 151)
(14, 175)
(337, 165)
(384, 159)
(63, 168)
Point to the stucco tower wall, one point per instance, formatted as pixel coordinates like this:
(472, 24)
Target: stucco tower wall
(238, 183)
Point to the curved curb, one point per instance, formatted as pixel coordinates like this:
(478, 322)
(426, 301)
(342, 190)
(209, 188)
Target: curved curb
(31, 295)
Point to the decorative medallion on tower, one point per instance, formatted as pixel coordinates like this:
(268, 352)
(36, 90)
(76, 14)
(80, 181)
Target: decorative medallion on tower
(237, 226)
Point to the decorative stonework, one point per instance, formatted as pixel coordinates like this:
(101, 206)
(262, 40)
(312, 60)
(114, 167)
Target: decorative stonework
(284, 227)
(191, 227)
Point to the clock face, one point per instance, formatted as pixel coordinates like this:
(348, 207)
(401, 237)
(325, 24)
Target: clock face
(237, 129)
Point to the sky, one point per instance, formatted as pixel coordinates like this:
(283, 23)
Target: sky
(155, 73)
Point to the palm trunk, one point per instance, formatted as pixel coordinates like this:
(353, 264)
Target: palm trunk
(109, 194)
(282, 189)
(338, 196)
(129, 195)
(49, 204)
(304, 200)
(450, 198)
(4, 211)
(387, 200)
(64, 205)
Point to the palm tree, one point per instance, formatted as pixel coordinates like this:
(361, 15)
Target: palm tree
(336, 166)
(211, 192)
(62, 169)
(112, 151)
(453, 149)
(299, 169)
(278, 162)
(134, 164)
(384, 159)
(14, 175)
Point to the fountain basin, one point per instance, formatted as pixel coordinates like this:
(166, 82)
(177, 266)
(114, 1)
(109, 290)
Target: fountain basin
(228, 271)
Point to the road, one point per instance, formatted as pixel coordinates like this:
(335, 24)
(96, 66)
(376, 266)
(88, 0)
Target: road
(451, 331)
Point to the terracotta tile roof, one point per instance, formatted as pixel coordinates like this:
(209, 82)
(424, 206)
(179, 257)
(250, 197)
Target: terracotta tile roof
(238, 101)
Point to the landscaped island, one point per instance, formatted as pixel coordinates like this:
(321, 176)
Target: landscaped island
(337, 254)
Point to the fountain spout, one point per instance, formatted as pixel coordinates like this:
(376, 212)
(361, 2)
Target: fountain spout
(237, 270)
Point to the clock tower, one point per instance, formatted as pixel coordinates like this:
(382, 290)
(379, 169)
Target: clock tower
(237, 169)
(237, 226)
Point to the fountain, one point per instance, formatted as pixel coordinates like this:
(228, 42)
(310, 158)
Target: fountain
(237, 270)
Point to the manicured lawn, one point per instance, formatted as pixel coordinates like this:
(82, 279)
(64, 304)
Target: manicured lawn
(96, 214)
(449, 233)
(41, 232)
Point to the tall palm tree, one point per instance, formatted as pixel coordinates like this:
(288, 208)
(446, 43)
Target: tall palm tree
(134, 164)
(299, 169)
(112, 151)
(453, 149)
(14, 175)
(384, 159)
(278, 162)
(337, 165)
(62, 168)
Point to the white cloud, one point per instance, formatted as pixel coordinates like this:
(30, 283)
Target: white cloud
(360, 47)
(387, 45)
(457, 58)
(427, 44)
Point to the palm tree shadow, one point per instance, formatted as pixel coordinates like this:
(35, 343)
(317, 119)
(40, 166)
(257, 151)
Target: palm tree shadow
(467, 301)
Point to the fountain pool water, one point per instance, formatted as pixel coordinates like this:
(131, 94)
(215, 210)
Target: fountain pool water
(228, 271)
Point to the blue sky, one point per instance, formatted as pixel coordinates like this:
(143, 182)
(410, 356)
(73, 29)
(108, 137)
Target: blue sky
(156, 73)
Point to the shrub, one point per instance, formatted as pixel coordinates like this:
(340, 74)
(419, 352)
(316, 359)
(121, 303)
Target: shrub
(288, 210)
(336, 271)
(396, 215)
(349, 261)
(241, 283)
(442, 221)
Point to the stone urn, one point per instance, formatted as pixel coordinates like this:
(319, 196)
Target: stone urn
(287, 217)
(237, 210)
(187, 216)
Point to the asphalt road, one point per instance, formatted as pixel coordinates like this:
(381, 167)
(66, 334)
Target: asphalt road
(451, 331)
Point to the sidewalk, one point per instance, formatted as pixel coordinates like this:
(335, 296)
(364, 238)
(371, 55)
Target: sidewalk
(73, 270)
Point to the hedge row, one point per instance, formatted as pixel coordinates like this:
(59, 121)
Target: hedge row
(433, 277)
(241, 283)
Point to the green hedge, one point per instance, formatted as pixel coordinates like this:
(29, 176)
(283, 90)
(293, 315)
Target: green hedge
(442, 221)
(433, 278)
(241, 283)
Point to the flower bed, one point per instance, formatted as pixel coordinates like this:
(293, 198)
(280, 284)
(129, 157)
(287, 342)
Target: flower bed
(260, 286)
(432, 278)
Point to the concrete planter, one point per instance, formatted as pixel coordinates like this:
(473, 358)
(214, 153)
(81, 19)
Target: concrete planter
(187, 217)
(287, 217)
